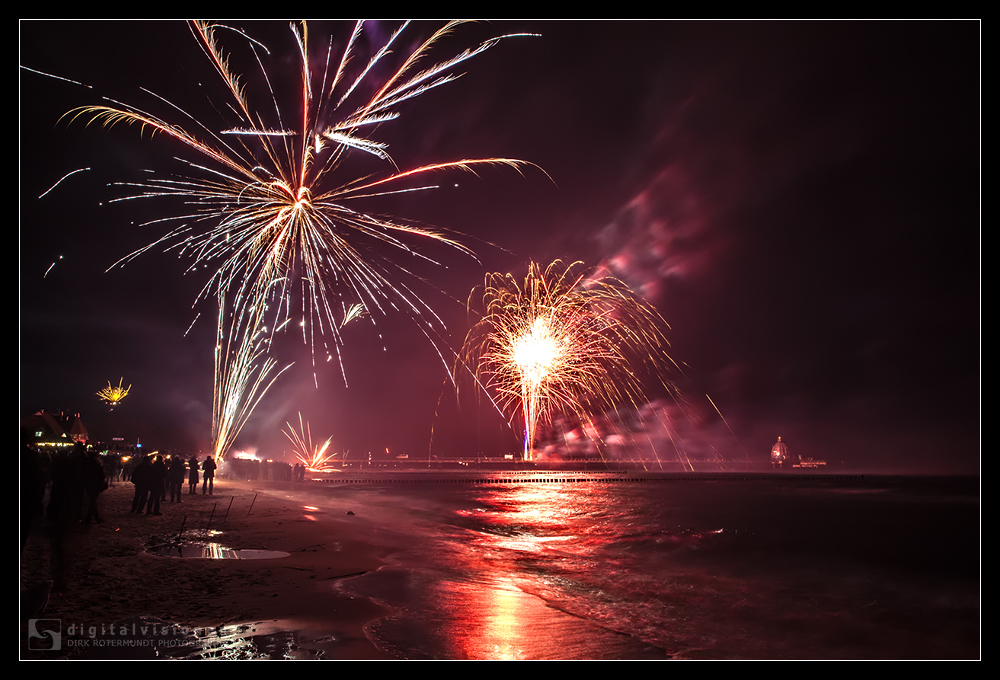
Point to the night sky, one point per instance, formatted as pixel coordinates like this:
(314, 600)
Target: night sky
(800, 200)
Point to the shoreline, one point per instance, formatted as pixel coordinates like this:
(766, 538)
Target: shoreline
(112, 581)
(453, 570)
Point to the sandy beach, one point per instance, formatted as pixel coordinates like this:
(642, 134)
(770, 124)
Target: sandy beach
(674, 567)
(114, 580)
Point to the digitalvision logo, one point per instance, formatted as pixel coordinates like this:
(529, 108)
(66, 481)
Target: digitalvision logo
(45, 634)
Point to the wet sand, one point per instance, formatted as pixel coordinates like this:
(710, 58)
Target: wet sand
(113, 580)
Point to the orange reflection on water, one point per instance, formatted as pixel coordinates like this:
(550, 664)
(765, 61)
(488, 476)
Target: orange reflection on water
(489, 621)
(493, 613)
(309, 510)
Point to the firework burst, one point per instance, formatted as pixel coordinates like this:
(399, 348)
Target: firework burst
(560, 342)
(271, 204)
(272, 198)
(111, 395)
(314, 458)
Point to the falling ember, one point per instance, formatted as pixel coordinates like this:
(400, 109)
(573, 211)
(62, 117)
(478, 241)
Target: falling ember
(562, 343)
(50, 269)
(314, 458)
(112, 395)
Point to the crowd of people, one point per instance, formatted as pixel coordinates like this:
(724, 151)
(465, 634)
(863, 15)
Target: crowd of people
(251, 469)
(153, 477)
(63, 486)
(76, 477)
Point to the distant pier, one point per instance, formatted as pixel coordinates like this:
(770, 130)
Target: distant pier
(513, 477)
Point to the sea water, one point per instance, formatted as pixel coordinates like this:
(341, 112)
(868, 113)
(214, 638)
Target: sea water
(701, 568)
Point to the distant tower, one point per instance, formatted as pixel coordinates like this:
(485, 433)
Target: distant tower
(779, 454)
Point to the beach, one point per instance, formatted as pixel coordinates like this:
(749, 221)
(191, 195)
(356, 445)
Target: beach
(113, 577)
(532, 565)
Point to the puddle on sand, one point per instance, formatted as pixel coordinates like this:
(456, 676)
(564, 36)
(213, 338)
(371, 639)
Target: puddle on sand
(214, 551)
(206, 550)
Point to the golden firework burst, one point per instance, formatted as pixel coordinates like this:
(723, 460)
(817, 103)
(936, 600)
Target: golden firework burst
(562, 342)
(112, 395)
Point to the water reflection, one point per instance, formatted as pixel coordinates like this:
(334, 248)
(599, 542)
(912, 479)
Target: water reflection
(692, 569)
(214, 551)
(494, 575)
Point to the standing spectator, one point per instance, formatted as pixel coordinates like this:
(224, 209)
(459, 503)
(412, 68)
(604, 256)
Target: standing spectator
(178, 470)
(141, 478)
(157, 479)
(193, 475)
(93, 484)
(208, 468)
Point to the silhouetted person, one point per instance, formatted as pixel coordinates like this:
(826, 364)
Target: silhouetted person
(129, 467)
(63, 510)
(32, 489)
(208, 468)
(112, 465)
(140, 477)
(157, 479)
(93, 484)
(193, 474)
(178, 470)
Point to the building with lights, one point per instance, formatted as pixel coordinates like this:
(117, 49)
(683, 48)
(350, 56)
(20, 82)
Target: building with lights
(53, 429)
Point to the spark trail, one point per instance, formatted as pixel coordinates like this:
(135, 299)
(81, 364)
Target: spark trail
(313, 457)
(243, 374)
